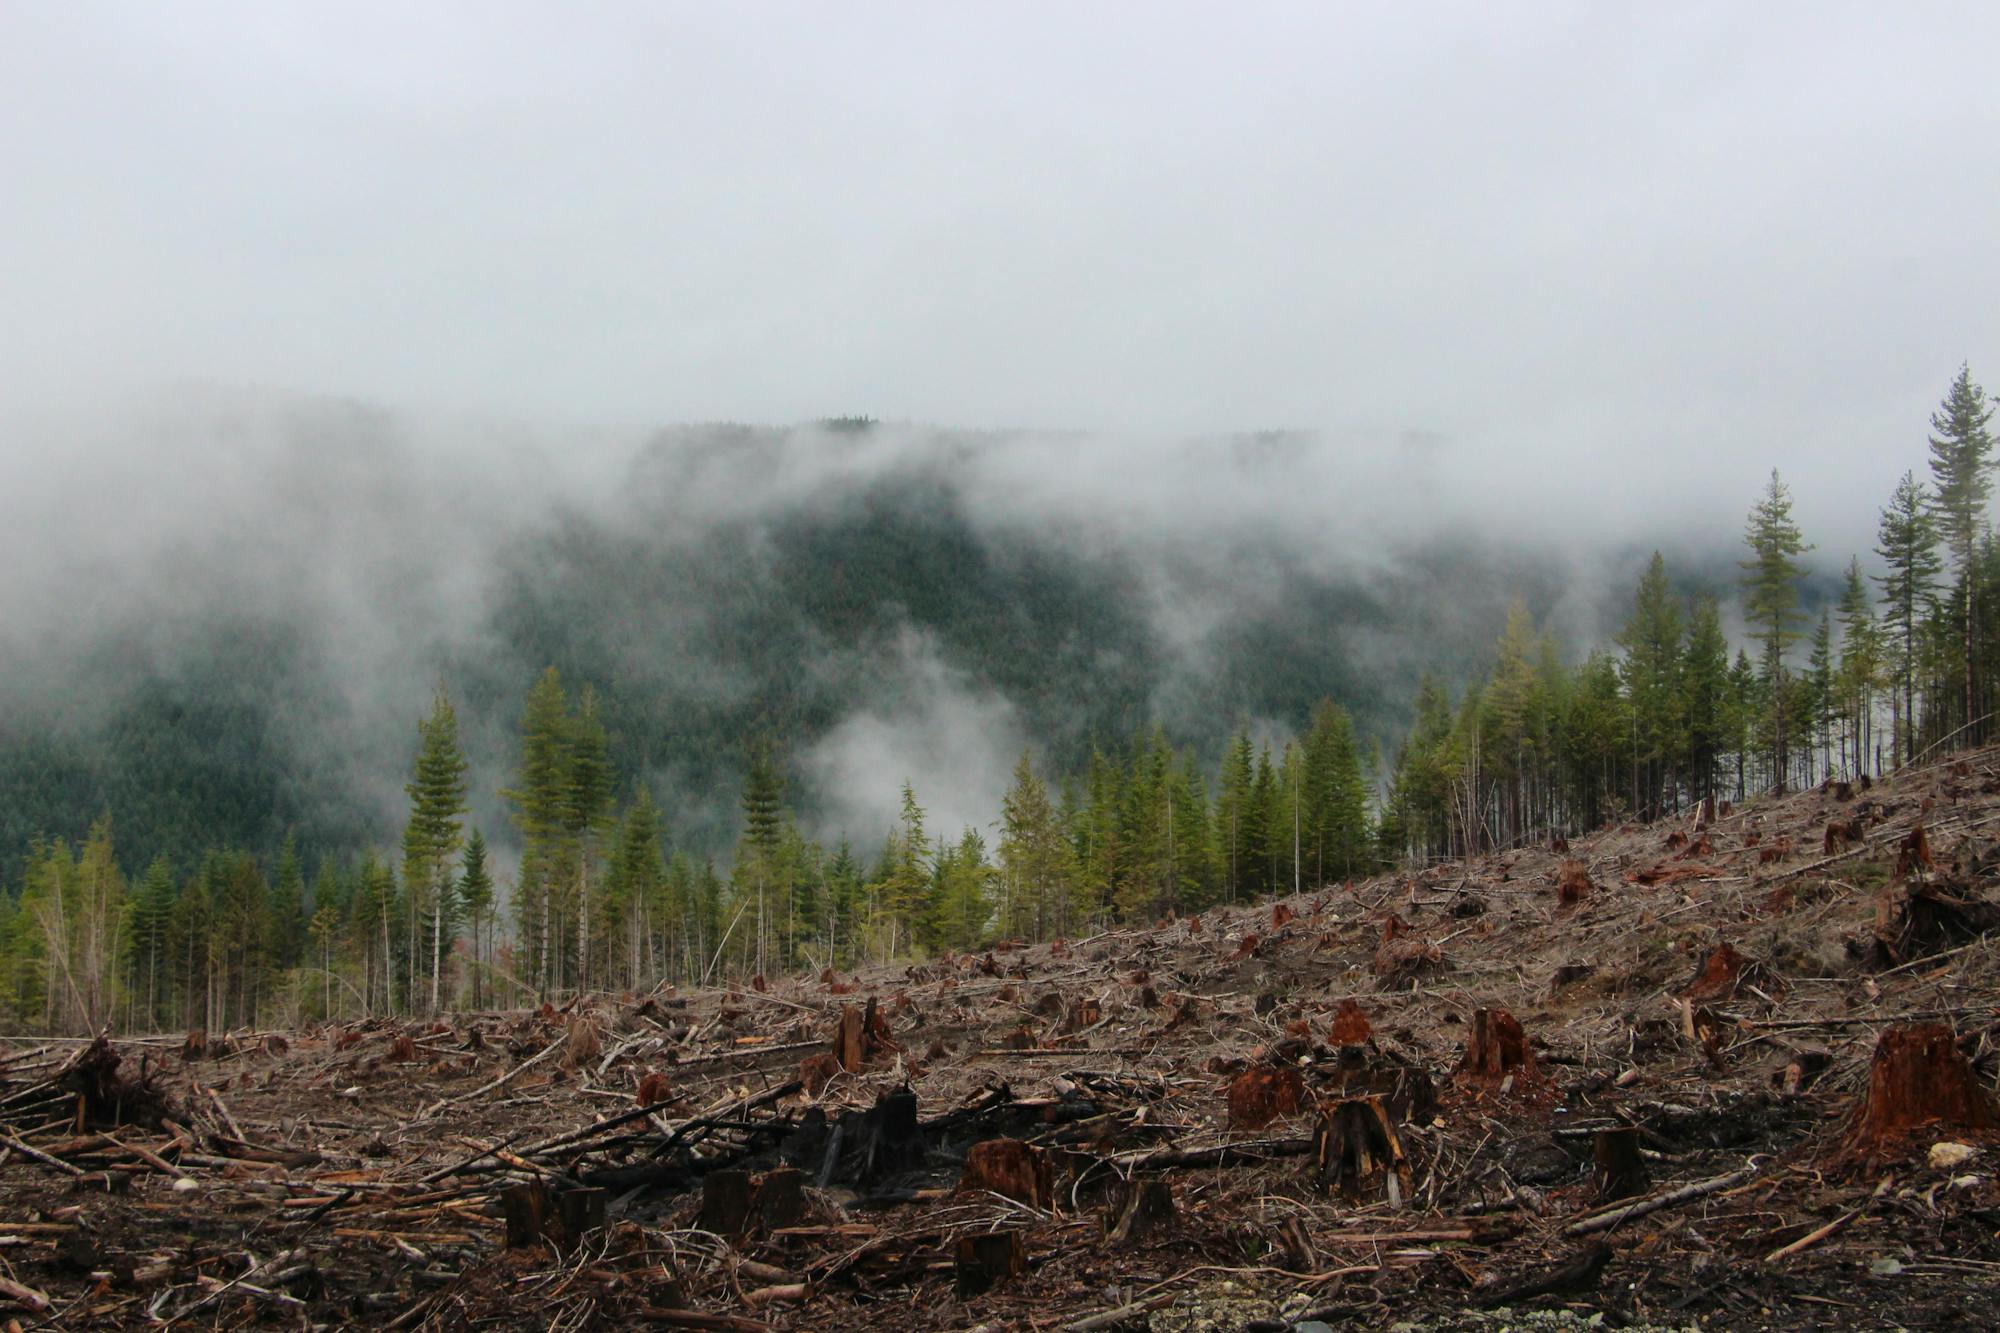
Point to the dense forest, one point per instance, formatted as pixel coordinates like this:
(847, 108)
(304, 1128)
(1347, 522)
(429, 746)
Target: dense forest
(179, 913)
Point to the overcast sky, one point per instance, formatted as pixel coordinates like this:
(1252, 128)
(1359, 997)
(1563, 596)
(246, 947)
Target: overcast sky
(1736, 234)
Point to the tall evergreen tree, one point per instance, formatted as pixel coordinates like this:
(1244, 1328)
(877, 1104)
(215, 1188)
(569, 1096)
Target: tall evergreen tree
(1961, 465)
(1907, 541)
(1771, 603)
(476, 900)
(432, 838)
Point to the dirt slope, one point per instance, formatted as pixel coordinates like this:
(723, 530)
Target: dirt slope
(1202, 1150)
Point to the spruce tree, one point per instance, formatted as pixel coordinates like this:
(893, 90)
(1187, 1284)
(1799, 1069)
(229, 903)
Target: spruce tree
(1907, 541)
(1771, 604)
(1961, 461)
(475, 899)
(432, 838)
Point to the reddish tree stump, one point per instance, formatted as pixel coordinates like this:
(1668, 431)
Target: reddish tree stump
(1350, 1025)
(1263, 1093)
(1496, 1048)
(1913, 854)
(816, 1071)
(1280, 914)
(1011, 1169)
(1721, 973)
(654, 1089)
(1918, 1080)
(1573, 883)
(850, 1048)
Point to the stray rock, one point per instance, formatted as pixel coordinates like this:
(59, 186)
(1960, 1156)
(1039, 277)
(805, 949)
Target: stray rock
(1947, 1155)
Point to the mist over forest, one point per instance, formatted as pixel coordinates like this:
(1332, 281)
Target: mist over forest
(230, 634)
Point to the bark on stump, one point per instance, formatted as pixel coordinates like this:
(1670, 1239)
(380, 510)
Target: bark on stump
(1619, 1170)
(984, 1261)
(1011, 1169)
(1357, 1153)
(1918, 1080)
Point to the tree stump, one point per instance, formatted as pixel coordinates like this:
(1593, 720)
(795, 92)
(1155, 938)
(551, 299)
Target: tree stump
(893, 1141)
(1918, 1080)
(1497, 1048)
(1350, 1025)
(1263, 1093)
(526, 1209)
(1619, 1170)
(1357, 1154)
(780, 1201)
(850, 1040)
(582, 1213)
(725, 1203)
(987, 1260)
(1573, 882)
(1011, 1169)
(1144, 1209)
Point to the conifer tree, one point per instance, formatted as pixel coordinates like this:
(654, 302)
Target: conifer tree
(1961, 463)
(1036, 860)
(1771, 603)
(1860, 667)
(1907, 541)
(432, 838)
(475, 898)
(543, 796)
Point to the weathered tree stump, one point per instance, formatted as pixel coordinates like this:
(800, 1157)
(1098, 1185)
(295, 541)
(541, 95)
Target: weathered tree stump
(984, 1261)
(1573, 882)
(1357, 1154)
(725, 1203)
(1084, 1012)
(1497, 1048)
(1011, 1169)
(1263, 1093)
(893, 1142)
(582, 1212)
(1144, 1209)
(1350, 1025)
(526, 1210)
(1918, 1080)
(850, 1040)
(1721, 973)
(816, 1071)
(1619, 1171)
(780, 1200)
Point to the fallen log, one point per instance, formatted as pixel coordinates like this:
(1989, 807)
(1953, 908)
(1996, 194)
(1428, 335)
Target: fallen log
(1638, 1208)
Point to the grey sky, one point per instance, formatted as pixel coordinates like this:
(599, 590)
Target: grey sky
(1726, 236)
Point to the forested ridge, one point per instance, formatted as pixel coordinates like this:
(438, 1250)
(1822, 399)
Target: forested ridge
(221, 881)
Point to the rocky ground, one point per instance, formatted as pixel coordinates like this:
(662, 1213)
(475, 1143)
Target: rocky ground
(1629, 1083)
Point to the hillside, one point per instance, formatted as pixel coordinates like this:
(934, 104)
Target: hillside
(291, 579)
(1718, 989)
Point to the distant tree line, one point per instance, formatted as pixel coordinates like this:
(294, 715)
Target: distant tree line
(1667, 715)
